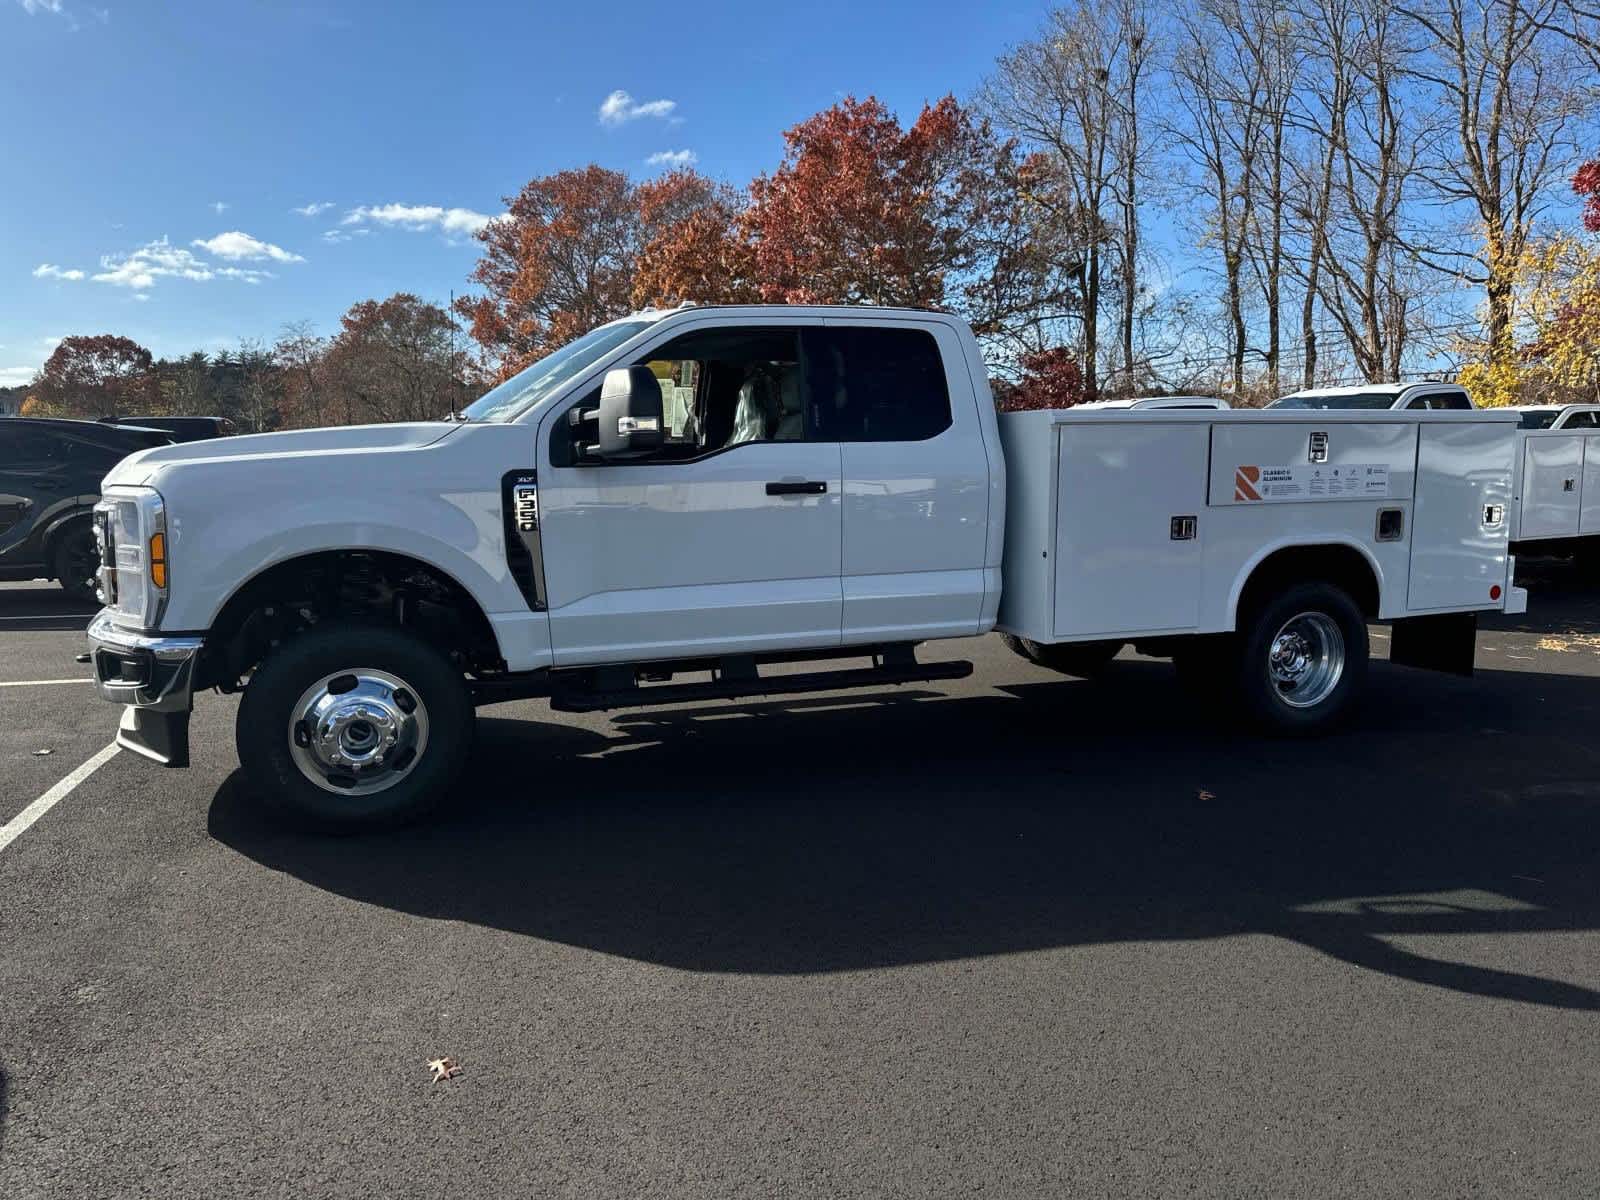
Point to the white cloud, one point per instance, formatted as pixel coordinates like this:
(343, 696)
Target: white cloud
(51, 271)
(673, 158)
(314, 209)
(17, 376)
(247, 274)
(58, 8)
(141, 296)
(420, 216)
(619, 107)
(154, 260)
(236, 246)
(219, 207)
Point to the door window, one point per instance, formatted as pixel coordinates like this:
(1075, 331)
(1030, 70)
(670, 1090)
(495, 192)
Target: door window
(1583, 420)
(720, 389)
(877, 384)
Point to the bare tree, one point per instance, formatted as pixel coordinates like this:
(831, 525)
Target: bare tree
(1073, 95)
(1217, 127)
(1371, 137)
(301, 354)
(1512, 86)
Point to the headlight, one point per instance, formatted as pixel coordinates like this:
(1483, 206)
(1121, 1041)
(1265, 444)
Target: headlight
(131, 528)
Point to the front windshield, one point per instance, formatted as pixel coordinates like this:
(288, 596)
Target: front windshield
(552, 372)
(1337, 400)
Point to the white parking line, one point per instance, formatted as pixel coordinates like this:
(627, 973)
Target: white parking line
(42, 682)
(18, 825)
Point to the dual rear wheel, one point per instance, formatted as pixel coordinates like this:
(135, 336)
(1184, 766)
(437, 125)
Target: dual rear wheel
(1295, 666)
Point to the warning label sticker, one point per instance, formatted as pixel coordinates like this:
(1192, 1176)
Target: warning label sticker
(1315, 481)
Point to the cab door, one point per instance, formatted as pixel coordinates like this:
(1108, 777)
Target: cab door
(898, 397)
(727, 541)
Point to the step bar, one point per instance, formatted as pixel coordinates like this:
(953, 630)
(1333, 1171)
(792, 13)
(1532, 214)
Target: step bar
(633, 685)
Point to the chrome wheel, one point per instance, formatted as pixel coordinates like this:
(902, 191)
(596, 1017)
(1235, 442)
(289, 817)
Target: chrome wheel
(1305, 659)
(358, 732)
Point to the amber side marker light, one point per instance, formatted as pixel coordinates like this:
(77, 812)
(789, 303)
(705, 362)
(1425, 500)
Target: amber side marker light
(158, 559)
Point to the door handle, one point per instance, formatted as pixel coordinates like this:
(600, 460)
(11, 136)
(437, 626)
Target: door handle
(797, 487)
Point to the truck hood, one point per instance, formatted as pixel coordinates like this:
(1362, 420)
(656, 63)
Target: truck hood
(143, 467)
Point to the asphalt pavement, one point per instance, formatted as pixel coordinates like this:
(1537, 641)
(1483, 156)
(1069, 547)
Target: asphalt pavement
(1018, 935)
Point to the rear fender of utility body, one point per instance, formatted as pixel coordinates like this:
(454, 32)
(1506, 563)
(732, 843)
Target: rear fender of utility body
(434, 497)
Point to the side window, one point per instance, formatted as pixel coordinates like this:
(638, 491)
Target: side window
(720, 388)
(1442, 402)
(1583, 420)
(877, 384)
(29, 448)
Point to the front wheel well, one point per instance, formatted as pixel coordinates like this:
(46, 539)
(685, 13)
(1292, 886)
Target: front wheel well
(1343, 566)
(373, 586)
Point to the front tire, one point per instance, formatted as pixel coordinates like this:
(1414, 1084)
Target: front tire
(348, 727)
(74, 559)
(1302, 659)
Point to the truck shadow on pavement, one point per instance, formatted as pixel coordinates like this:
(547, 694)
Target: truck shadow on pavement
(842, 834)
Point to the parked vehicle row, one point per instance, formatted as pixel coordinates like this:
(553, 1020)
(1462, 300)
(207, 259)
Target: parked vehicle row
(665, 508)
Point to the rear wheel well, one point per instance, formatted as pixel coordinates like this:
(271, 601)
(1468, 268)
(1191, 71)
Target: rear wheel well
(371, 586)
(1343, 566)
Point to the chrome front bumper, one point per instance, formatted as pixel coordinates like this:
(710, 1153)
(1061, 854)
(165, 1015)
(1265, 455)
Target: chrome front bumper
(153, 677)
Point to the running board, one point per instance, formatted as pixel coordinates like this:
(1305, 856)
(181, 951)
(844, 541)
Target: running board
(735, 684)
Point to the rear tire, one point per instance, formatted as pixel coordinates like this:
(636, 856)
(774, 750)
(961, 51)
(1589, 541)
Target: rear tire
(1083, 659)
(351, 727)
(74, 559)
(1301, 659)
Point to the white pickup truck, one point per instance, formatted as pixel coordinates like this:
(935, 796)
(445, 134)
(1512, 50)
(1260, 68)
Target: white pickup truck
(665, 507)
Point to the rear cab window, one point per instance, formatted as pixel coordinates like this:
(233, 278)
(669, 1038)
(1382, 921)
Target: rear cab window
(877, 384)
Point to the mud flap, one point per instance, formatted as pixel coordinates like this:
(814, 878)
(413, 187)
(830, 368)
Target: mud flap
(1447, 642)
(160, 736)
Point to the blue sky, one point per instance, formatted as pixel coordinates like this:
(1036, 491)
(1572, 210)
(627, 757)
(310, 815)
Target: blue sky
(165, 147)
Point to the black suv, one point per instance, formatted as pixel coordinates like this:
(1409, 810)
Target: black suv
(50, 473)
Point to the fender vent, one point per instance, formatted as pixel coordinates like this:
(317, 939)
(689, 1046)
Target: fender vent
(519, 508)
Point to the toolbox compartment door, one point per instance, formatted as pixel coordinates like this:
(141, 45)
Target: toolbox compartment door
(1460, 522)
(1120, 567)
(1326, 461)
(1589, 499)
(1552, 483)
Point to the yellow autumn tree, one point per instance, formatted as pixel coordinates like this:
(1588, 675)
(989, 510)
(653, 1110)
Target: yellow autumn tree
(1556, 304)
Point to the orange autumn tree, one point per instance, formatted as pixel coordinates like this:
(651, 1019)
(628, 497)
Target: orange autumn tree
(566, 255)
(861, 210)
(95, 376)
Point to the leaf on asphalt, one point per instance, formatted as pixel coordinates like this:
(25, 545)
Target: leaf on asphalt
(443, 1068)
(42, 753)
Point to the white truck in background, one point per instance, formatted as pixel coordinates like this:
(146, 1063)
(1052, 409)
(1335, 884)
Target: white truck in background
(1558, 492)
(663, 508)
(1426, 395)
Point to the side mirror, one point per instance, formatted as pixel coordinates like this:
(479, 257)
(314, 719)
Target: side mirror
(630, 413)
